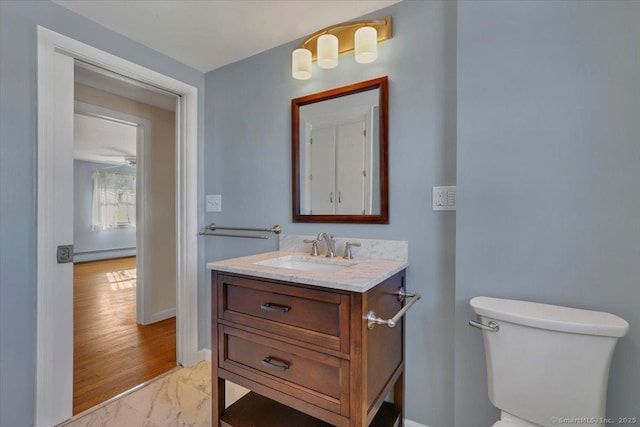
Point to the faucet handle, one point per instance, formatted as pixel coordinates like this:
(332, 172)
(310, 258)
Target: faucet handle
(314, 246)
(347, 249)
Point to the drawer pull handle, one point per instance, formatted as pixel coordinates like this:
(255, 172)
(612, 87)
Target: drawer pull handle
(282, 366)
(274, 308)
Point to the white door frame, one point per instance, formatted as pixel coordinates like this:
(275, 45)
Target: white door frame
(143, 143)
(48, 393)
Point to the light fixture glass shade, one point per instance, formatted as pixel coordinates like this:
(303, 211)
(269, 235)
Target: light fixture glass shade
(327, 51)
(366, 45)
(301, 64)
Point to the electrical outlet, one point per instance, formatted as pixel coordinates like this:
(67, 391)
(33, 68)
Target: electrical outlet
(444, 198)
(214, 203)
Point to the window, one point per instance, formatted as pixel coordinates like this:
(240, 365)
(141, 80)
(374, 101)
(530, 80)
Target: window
(114, 201)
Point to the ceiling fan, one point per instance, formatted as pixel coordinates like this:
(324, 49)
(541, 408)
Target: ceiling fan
(124, 158)
(128, 161)
(131, 160)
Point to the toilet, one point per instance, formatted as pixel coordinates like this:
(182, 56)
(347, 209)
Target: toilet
(546, 365)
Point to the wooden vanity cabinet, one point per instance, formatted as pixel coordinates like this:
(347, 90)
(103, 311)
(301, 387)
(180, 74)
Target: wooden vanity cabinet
(306, 353)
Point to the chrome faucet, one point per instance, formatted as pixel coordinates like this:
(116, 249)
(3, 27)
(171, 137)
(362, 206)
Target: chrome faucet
(331, 244)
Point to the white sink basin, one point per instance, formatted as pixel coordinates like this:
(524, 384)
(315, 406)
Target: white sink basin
(292, 262)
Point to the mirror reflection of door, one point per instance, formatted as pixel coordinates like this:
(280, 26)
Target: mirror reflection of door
(339, 167)
(351, 170)
(322, 159)
(338, 156)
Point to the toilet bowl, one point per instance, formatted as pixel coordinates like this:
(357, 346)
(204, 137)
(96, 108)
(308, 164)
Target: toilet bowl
(546, 363)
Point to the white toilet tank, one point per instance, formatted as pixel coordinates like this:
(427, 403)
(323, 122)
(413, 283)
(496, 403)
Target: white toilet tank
(547, 363)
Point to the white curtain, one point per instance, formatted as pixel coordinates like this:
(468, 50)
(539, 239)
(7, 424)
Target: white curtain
(114, 200)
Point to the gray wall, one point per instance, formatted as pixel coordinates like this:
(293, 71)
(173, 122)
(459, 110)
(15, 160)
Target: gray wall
(248, 140)
(548, 174)
(84, 238)
(18, 22)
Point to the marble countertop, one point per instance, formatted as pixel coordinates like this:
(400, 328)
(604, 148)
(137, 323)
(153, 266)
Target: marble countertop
(361, 276)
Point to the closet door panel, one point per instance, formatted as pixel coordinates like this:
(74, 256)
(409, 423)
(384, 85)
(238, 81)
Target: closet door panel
(323, 142)
(350, 167)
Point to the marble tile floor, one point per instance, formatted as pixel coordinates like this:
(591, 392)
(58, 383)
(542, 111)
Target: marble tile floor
(181, 398)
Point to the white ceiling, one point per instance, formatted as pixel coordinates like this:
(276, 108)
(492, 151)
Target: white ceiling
(208, 34)
(103, 141)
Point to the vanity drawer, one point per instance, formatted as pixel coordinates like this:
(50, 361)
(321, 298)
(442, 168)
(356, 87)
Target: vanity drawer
(314, 377)
(310, 315)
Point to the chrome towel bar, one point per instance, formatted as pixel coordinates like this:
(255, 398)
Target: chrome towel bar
(373, 320)
(211, 228)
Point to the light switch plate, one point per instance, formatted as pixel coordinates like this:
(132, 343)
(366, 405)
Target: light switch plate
(214, 203)
(444, 198)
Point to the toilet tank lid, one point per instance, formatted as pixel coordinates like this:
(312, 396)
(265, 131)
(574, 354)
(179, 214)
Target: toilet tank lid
(551, 317)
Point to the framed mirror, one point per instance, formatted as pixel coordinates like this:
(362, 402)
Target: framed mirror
(339, 154)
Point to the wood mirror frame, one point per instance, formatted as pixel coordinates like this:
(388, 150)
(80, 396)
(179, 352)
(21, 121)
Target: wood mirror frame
(381, 84)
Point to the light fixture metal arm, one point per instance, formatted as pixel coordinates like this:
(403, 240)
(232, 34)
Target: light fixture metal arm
(345, 34)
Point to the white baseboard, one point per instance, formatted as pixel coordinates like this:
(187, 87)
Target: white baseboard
(204, 354)
(100, 255)
(162, 315)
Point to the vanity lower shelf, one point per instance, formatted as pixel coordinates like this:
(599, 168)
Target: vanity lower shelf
(254, 410)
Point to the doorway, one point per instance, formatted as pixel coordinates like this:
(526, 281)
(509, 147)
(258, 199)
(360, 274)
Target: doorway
(54, 361)
(124, 276)
(130, 128)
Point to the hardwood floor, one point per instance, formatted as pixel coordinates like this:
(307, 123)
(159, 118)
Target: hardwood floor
(111, 353)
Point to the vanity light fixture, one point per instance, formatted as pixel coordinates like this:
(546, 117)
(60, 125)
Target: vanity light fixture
(325, 45)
